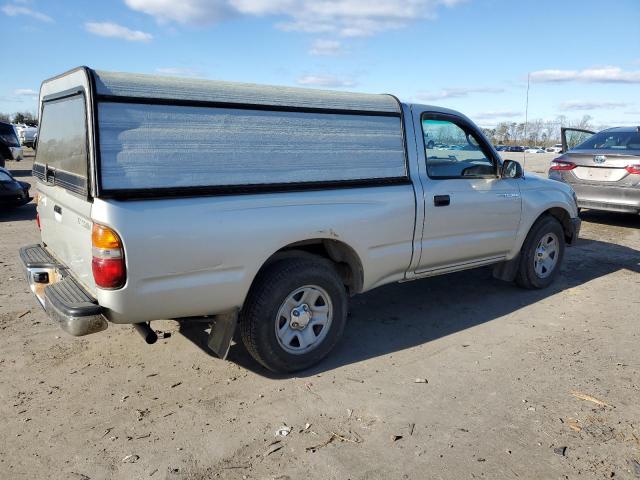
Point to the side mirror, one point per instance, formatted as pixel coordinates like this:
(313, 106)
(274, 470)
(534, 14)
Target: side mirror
(511, 169)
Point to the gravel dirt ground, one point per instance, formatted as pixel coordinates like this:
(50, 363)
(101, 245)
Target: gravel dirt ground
(512, 383)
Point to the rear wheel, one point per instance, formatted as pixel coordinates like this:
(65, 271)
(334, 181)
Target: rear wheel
(295, 313)
(541, 254)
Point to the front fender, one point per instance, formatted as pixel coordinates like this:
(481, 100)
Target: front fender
(541, 196)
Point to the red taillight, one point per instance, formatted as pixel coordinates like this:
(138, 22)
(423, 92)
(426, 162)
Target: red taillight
(37, 201)
(108, 265)
(633, 169)
(559, 164)
(108, 272)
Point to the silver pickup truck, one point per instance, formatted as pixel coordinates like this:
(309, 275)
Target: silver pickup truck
(262, 209)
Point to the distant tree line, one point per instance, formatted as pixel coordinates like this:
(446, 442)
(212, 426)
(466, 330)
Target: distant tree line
(538, 132)
(27, 118)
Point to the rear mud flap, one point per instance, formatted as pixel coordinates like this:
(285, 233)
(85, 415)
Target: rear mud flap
(222, 330)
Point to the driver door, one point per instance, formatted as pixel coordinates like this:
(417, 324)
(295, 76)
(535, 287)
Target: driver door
(471, 214)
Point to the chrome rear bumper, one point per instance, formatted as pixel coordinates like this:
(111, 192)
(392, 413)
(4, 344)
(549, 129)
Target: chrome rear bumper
(61, 296)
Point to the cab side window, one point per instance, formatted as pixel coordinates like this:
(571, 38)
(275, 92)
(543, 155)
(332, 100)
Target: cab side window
(454, 150)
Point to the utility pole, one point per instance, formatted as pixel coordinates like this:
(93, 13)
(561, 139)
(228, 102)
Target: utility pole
(526, 120)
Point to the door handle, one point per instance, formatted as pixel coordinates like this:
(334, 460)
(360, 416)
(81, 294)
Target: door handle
(441, 200)
(57, 209)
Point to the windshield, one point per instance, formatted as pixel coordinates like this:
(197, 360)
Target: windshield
(4, 177)
(8, 136)
(611, 140)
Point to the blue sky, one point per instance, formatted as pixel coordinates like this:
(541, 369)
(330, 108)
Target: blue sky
(470, 55)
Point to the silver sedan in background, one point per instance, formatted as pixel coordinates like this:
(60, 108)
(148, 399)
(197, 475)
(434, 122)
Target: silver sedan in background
(604, 169)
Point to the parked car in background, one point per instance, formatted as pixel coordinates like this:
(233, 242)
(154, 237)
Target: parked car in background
(516, 149)
(603, 170)
(557, 148)
(26, 135)
(285, 202)
(10, 148)
(535, 150)
(13, 193)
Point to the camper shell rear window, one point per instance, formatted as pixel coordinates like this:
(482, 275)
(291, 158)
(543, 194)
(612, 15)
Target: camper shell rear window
(61, 157)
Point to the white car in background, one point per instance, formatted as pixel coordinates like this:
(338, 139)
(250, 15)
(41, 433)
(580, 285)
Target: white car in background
(557, 148)
(26, 135)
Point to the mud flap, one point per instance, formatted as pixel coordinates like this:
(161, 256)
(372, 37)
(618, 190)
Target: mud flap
(222, 330)
(508, 270)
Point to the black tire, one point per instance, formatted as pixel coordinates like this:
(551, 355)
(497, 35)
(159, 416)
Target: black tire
(527, 276)
(270, 289)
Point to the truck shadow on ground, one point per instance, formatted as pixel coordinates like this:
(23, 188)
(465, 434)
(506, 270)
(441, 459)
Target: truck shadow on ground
(401, 316)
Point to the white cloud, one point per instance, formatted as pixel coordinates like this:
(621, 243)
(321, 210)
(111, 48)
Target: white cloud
(456, 93)
(179, 71)
(113, 30)
(347, 18)
(326, 47)
(25, 92)
(14, 10)
(493, 114)
(326, 81)
(196, 12)
(584, 105)
(607, 74)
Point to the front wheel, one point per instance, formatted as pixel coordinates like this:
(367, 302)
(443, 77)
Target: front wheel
(294, 314)
(541, 254)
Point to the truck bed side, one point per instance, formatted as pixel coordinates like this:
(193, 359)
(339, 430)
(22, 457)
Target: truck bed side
(197, 256)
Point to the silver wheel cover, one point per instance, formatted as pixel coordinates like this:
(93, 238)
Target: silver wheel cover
(303, 319)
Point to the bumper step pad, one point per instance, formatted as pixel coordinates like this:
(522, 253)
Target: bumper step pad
(70, 298)
(35, 256)
(65, 300)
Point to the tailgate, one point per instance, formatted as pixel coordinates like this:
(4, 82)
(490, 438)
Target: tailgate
(61, 166)
(65, 220)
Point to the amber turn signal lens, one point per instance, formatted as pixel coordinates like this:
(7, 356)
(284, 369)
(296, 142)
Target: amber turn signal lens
(108, 266)
(104, 237)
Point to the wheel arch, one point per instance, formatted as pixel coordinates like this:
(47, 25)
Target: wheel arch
(564, 217)
(342, 255)
(556, 211)
(508, 269)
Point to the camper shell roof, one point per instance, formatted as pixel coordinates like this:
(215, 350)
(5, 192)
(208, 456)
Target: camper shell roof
(118, 86)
